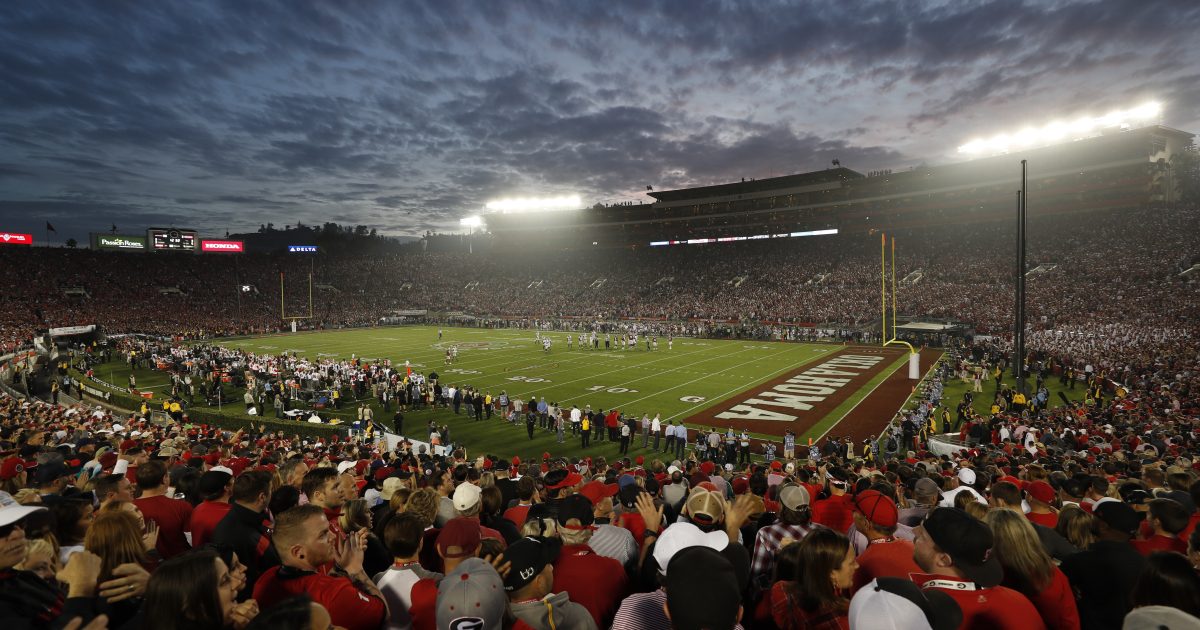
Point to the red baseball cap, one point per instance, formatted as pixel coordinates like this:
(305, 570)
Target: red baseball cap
(1040, 491)
(568, 481)
(11, 467)
(879, 508)
(596, 490)
(461, 534)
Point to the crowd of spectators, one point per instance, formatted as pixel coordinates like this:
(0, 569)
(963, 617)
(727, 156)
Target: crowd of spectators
(1103, 282)
(1072, 515)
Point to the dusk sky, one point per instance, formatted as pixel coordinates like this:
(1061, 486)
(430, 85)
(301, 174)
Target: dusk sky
(407, 116)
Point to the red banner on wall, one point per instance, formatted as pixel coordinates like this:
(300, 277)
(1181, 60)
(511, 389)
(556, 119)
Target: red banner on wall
(12, 238)
(228, 247)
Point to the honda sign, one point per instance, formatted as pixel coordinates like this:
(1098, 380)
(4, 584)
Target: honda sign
(225, 247)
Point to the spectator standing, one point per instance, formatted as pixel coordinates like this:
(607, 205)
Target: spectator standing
(304, 543)
(1029, 570)
(244, 530)
(956, 553)
(1105, 573)
(173, 516)
(215, 488)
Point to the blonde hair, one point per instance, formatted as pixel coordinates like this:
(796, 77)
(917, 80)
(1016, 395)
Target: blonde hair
(399, 499)
(575, 536)
(976, 510)
(355, 515)
(424, 504)
(1020, 551)
(1077, 526)
(116, 537)
(41, 545)
(547, 527)
(28, 496)
(487, 479)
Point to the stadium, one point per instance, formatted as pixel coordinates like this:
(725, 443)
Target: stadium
(957, 394)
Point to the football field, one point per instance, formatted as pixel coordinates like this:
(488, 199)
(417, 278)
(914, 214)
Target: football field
(703, 382)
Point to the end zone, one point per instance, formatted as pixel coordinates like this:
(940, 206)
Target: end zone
(799, 400)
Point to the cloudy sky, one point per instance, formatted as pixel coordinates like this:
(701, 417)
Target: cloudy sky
(408, 115)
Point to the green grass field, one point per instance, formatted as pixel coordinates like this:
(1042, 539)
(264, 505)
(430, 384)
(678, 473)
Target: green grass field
(695, 374)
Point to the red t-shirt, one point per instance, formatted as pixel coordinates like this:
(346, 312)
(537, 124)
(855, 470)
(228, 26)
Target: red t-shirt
(885, 558)
(1187, 532)
(836, 512)
(517, 514)
(204, 520)
(996, 608)
(423, 610)
(1056, 603)
(595, 582)
(173, 517)
(1047, 520)
(348, 607)
(1159, 543)
(636, 525)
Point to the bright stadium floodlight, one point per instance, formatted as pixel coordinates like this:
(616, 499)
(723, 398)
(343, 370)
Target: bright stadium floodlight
(471, 222)
(535, 204)
(1051, 133)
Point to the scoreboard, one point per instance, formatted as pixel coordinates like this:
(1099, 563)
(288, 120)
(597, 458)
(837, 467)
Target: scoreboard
(172, 239)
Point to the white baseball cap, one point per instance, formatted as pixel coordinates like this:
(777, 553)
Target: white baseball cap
(891, 603)
(680, 536)
(966, 475)
(11, 511)
(466, 495)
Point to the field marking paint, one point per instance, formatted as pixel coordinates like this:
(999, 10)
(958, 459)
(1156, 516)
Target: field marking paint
(899, 365)
(598, 374)
(714, 374)
(744, 387)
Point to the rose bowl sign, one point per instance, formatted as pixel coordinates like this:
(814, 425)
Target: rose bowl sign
(223, 247)
(12, 238)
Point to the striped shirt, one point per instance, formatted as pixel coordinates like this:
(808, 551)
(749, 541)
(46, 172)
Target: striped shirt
(766, 545)
(614, 542)
(644, 611)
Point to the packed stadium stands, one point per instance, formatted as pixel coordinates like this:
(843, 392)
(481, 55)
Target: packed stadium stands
(1115, 281)
(1034, 515)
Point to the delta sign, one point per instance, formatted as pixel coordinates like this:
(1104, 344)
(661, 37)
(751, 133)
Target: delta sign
(222, 247)
(10, 238)
(312, 249)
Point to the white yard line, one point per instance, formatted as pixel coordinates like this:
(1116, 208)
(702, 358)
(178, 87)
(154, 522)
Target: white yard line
(739, 388)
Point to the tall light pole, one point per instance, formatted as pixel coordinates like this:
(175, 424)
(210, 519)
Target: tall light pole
(1019, 329)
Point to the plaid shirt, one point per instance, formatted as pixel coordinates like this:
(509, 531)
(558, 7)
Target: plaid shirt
(766, 545)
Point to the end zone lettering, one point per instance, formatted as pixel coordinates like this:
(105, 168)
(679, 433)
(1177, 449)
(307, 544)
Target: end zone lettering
(801, 391)
(221, 246)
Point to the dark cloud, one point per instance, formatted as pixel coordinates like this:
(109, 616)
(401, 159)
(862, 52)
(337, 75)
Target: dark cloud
(408, 116)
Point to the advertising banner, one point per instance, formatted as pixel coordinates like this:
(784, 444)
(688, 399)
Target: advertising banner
(12, 238)
(66, 331)
(224, 247)
(122, 242)
(302, 248)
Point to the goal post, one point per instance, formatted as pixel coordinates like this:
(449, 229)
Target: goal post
(282, 304)
(914, 358)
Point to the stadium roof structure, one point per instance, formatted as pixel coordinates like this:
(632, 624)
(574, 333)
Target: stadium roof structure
(752, 186)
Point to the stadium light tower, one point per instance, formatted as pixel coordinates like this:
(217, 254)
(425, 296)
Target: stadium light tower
(471, 223)
(534, 204)
(1058, 131)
